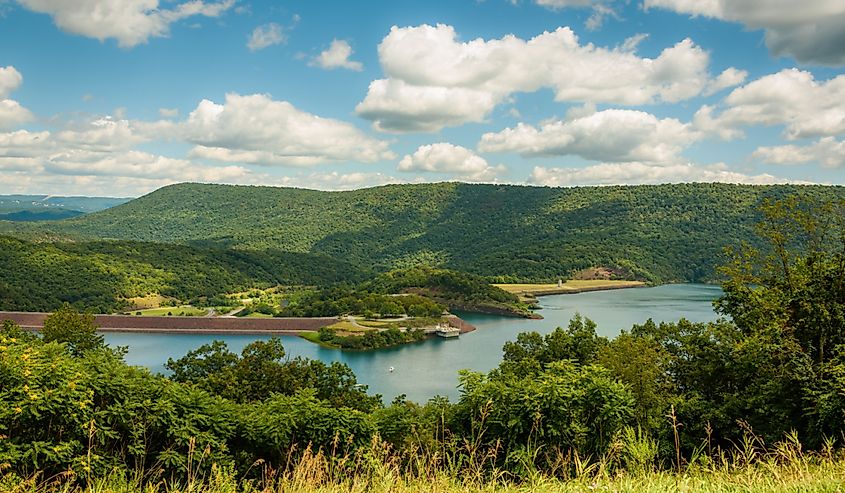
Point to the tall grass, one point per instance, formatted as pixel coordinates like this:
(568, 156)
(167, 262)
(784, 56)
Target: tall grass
(629, 465)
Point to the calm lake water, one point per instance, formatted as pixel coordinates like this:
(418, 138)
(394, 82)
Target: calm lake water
(430, 368)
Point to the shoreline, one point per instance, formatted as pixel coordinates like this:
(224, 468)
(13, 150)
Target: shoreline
(129, 324)
(553, 290)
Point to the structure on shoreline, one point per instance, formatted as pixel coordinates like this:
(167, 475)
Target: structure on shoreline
(447, 331)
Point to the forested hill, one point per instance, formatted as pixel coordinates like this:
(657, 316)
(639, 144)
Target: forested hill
(660, 233)
(103, 275)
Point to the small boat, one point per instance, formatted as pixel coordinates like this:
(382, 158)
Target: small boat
(390, 369)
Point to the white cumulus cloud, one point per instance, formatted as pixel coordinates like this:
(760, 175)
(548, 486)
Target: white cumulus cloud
(10, 80)
(811, 30)
(792, 98)
(130, 22)
(611, 135)
(828, 151)
(435, 80)
(643, 174)
(337, 56)
(98, 156)
(256, 129)
(452, 160)
(12, 113)
(333, 180)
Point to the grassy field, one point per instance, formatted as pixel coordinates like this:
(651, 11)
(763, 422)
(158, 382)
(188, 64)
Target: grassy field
(176, 311)
(315, 474)
(570, 286)
(376, 324)
(146, 302)
(346, 326)
(258, 315)
(311, 336)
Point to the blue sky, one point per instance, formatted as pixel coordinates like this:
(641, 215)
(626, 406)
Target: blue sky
(120, 97)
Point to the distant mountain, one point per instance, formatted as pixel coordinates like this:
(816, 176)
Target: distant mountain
(48, 215)
(49, 207)
(657, 233)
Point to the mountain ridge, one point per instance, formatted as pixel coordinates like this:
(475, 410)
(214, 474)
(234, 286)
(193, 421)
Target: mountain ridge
(658, 233)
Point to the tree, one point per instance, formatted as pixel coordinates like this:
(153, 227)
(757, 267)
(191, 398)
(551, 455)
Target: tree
(796, 283)
(77, 330)
(262, 370)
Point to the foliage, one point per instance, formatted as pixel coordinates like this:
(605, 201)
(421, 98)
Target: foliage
(346, 300)
(261, 371)
(578, 343)
(77, 331)
(564, 407)
(457, 290)
(101, 276)
(370, 339)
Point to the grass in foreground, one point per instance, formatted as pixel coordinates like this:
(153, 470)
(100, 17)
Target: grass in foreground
(315, 474)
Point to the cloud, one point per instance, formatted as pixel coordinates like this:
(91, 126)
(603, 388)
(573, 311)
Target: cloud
(336, 181)
(611, 135)
(643, 174)
(452, 160)
(599, 15)
(22, 144)
(434, 80)
(811, 31)
(12, 113)
(105, 134)
(337, 56)
(560, 4)
(130, 22)
(43, 160)
(600, 9)
(255, 129)
(10, 80)
(266, 35)
(792, 98)
(730, 77)
(136, 164)
(168, 112)
(396, 106)
(828, 151)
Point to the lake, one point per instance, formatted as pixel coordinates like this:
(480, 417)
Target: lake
(430, 368)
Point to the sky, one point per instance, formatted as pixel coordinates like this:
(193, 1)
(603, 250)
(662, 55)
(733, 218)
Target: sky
(121, 97)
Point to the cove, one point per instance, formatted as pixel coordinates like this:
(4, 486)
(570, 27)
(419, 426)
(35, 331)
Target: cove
(430, 368)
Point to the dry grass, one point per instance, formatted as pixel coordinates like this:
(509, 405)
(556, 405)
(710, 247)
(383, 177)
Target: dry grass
(176, 311)
(750, 467)
(569, 286)
(347, 326)
(144, 302)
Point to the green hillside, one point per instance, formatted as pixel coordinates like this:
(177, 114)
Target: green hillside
(100, 276)
(658, 233)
